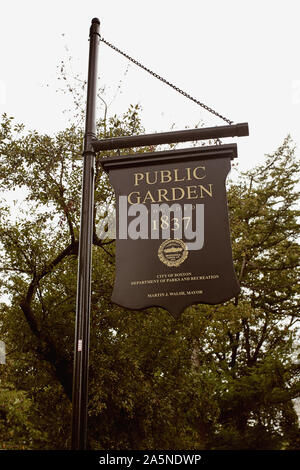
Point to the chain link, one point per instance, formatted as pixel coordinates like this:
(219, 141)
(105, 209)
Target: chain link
(207, 108)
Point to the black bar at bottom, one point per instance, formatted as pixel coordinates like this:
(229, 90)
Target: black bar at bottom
(235, 130)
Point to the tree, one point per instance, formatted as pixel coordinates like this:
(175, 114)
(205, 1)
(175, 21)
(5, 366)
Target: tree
(220, 377)
(261, 347)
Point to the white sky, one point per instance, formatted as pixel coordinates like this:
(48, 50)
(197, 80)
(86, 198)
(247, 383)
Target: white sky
(240, 58)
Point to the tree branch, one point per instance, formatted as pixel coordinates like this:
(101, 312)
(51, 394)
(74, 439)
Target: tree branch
(47, 349)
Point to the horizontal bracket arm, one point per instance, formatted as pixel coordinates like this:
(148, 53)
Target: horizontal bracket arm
(235, 130)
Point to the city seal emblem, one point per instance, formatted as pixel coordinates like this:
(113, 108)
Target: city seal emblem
(173, 252)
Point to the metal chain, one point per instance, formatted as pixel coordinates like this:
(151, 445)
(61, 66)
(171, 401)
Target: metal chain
(207, 108)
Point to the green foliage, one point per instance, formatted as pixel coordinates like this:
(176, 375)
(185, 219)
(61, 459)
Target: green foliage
(221, 377)
(16, 428)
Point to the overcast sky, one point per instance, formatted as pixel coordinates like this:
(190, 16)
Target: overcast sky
(241, 58)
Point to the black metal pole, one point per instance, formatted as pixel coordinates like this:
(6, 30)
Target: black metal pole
(82, 331)
(235, 130)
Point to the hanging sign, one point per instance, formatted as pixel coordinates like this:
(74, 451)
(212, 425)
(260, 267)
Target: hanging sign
(173, 244)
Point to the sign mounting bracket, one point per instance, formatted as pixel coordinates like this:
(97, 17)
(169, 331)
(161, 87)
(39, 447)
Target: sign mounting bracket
(217, 132)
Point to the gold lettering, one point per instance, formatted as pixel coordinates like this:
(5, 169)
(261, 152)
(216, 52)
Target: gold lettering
(148, 196)
(174, 198)
(191, 189)
(207, 191)
(148, 179)
(162, 194)
(195, 172)
(138, 177)
(175, 193)
(165, 174)
(176, 175)
(138, 198)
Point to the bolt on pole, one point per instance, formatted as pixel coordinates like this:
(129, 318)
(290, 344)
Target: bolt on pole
(82, 327)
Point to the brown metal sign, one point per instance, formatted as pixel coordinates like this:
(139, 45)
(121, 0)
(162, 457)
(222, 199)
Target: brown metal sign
(173, 244)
